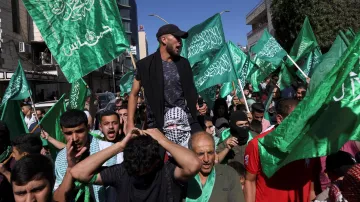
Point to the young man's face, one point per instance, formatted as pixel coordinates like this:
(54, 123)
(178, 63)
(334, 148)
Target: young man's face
(35, 190)
(258, 116)
(123, 113)
(209, 127)
(79, 135)
(16, 154)
(109, 126)
(25, 109)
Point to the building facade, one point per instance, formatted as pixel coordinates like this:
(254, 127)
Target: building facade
(128, 12)
(259, 18)
(143, 44)
(20, 40)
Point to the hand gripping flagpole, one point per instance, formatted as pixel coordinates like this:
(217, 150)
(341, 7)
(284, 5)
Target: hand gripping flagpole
(243, 94)
(33, 106)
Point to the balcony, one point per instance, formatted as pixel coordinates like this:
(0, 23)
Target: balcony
(124, 3)
(256, 13)
(258, 29)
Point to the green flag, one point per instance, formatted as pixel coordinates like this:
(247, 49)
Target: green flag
(305, 42)
(305, 52)
(126, 82)
(209, 96)
(257, 73)
(204, 40)
(322, 122)
(327, 62)
(78, 94)
(51, 121)
(14, 118)
(268, 49)
(18, 88)
(219, 70)
(81, 35)
(241, 64)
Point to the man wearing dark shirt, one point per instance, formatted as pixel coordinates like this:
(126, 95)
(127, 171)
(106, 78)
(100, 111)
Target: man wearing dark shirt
(142, 176)
(167, 80)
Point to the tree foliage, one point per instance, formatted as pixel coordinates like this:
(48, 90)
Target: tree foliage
(327, 17)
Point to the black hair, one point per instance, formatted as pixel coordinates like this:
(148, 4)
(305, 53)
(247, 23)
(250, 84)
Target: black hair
(108, 113)
(140, 154)
(73, 118)
(221, 102)
(240, 169)
(258, 107)
(117, 101)
(284, 105)
(207, 118)
(41, 110)
(339, 163)
(32, 167)
(301, 87)
(240, 107)
(28, 143)
(4, 134)
(256, 126)
(192, 137)
(357, 157)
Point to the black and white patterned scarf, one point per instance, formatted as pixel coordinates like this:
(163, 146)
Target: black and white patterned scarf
(177, 127)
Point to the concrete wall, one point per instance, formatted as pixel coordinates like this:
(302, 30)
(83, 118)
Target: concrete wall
(143, 52)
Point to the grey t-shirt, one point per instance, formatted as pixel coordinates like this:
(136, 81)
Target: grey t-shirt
(173, 92)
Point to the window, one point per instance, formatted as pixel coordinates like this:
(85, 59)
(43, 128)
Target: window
(125, 13)
(127, 26)
(123, 2)
(15, 16)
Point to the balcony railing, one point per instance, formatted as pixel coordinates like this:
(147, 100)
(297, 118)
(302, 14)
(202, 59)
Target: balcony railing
(257, 6)
(252, 32)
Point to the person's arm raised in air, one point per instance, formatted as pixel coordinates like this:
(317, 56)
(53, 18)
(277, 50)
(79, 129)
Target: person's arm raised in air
(87, 168)
(57, 144)
(132, 104)
(188, 163)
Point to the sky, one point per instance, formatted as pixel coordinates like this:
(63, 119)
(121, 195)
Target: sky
(188, 13)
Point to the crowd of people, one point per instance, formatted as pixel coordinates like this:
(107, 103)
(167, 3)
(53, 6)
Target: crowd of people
(162, 142)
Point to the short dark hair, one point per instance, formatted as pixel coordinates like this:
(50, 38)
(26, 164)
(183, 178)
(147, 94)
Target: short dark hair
(140, 154)
(301, 87)
(108, 113)
(117, 101)
(240, 169)
(339, 163)
(240, 107)
(207, 118)
(73, 118)
(258, 107)
(4, 134)
(199, 134)
(32, 167)
(41, 110)
(256, 126)
(28, 143)
(284, 105)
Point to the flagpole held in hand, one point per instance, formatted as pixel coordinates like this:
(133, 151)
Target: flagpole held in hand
(297, 66)
(33, 106)
(132, 60)
(242, 92)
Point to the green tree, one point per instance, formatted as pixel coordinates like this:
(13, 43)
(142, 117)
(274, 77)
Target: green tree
(327, 17)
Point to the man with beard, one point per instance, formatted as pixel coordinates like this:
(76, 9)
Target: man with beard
(213, 182)
(233, 147)
(300, 92)
(167, 80)
(293, 182)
